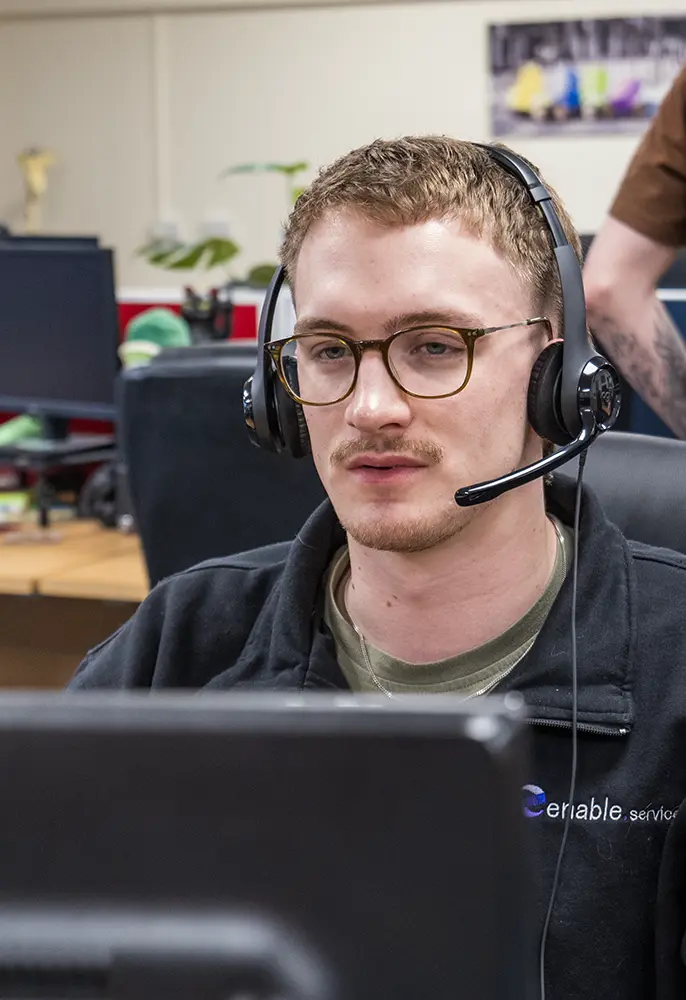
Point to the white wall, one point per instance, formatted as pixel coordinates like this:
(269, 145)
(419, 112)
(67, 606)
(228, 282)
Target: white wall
(145, 111)
(94, 110)
(24, 8)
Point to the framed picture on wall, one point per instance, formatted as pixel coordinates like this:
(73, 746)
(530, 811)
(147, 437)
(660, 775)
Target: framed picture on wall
(592, 76)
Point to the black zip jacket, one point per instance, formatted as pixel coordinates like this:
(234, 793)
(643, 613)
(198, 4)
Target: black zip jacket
(256, 620)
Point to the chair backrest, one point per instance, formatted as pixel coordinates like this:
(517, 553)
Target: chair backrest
(207, 351)
(641, 484)
(199, 488)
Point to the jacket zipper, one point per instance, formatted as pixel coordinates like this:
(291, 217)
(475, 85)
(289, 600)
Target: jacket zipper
(582, 727)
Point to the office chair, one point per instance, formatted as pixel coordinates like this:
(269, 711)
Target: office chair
(211, 349)
(198, 487)
(641, 483)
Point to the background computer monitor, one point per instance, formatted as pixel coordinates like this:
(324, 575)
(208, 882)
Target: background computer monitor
(43, 242)
(58, 331)
(217, 845)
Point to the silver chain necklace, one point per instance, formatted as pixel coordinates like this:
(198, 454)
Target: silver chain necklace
(368, 662)
(363, 642)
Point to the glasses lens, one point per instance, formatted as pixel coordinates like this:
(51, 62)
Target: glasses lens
(318, 369)
(430, 362)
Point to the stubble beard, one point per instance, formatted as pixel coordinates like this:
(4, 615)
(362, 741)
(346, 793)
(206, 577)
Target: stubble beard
(379, 527)
(383, 531)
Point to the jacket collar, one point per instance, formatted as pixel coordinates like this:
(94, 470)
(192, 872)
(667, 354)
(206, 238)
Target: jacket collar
(605, 626)
(605, 619)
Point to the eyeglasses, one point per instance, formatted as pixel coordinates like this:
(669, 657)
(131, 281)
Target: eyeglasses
(427, 362)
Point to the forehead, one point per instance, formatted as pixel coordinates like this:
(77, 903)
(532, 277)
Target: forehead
(354, 271)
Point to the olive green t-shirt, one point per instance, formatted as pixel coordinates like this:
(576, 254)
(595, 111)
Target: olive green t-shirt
(469, 674)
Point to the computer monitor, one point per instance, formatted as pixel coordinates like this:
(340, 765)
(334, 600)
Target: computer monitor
(207, 845)
(43, 242)
(58, 332)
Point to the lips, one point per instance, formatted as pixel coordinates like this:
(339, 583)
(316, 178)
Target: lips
(384, 471)
(385, 462)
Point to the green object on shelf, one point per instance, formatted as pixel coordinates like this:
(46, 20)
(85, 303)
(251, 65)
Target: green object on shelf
(149, 332)
(20, 429)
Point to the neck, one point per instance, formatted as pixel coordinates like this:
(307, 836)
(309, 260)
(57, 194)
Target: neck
(427, 606)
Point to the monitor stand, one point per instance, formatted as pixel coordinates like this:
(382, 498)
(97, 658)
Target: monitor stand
(56, 443)
(54, 448)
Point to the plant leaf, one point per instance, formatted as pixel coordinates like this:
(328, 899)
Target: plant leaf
(175, 256)
(188, 257)
(221, 251)
(162, 259)
(157, 251)
(247, 168)
(276, 168)
(261, 274)
(206, 254)
(294, 168)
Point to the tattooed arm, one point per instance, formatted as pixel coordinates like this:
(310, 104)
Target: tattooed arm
(620, 277)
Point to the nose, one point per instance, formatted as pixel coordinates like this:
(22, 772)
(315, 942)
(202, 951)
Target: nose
(377, 402)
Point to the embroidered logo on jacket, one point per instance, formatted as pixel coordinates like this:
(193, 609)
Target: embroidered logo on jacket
(536, 803)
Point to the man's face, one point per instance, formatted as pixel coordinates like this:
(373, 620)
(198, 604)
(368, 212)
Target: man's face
(389, 462)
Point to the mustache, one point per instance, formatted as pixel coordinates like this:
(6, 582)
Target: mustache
(426, 451)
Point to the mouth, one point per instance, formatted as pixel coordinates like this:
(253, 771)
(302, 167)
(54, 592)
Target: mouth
(385, 462)
(384, 468)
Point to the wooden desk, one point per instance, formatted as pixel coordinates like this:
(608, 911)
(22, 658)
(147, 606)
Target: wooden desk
(119, 577)
(43, 639)
(58, 600)
(24, 566)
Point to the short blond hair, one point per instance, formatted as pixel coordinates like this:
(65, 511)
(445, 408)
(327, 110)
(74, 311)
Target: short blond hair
(400, 182)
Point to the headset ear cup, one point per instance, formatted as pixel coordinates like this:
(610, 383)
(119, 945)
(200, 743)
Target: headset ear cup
(292, 424)
(543, 397)
(298, 437)
(303, 433)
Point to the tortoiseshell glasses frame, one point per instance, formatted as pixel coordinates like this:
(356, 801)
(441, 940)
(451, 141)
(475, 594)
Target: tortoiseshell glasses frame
(469, 337)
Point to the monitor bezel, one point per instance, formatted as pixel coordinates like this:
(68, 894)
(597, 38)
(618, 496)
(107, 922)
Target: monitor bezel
(43, 406)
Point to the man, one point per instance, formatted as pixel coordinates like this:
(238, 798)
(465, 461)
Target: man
(416, 244)
(634, 247)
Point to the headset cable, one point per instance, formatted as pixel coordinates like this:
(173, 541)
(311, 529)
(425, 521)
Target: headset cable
(575, 734)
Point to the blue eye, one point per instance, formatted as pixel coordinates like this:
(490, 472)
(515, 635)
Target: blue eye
(324, 350)
(333, 353)
(432, 344)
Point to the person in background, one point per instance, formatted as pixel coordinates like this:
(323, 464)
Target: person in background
(634, 247)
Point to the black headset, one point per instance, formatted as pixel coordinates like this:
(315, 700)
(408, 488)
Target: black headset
(574, 393)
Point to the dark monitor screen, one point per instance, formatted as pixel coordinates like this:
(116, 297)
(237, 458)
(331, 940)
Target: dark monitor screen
(58, 331)
(42, 242)
(321, 847)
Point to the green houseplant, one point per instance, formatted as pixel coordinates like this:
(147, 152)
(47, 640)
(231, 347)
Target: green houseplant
(215, 251)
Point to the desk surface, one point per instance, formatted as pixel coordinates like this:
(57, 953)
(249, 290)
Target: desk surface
(120, 577)
(88, 561)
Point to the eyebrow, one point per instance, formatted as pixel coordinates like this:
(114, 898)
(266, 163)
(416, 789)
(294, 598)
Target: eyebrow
(402, 321)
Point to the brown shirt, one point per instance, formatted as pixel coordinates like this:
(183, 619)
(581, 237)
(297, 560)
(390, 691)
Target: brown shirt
(652, 196)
